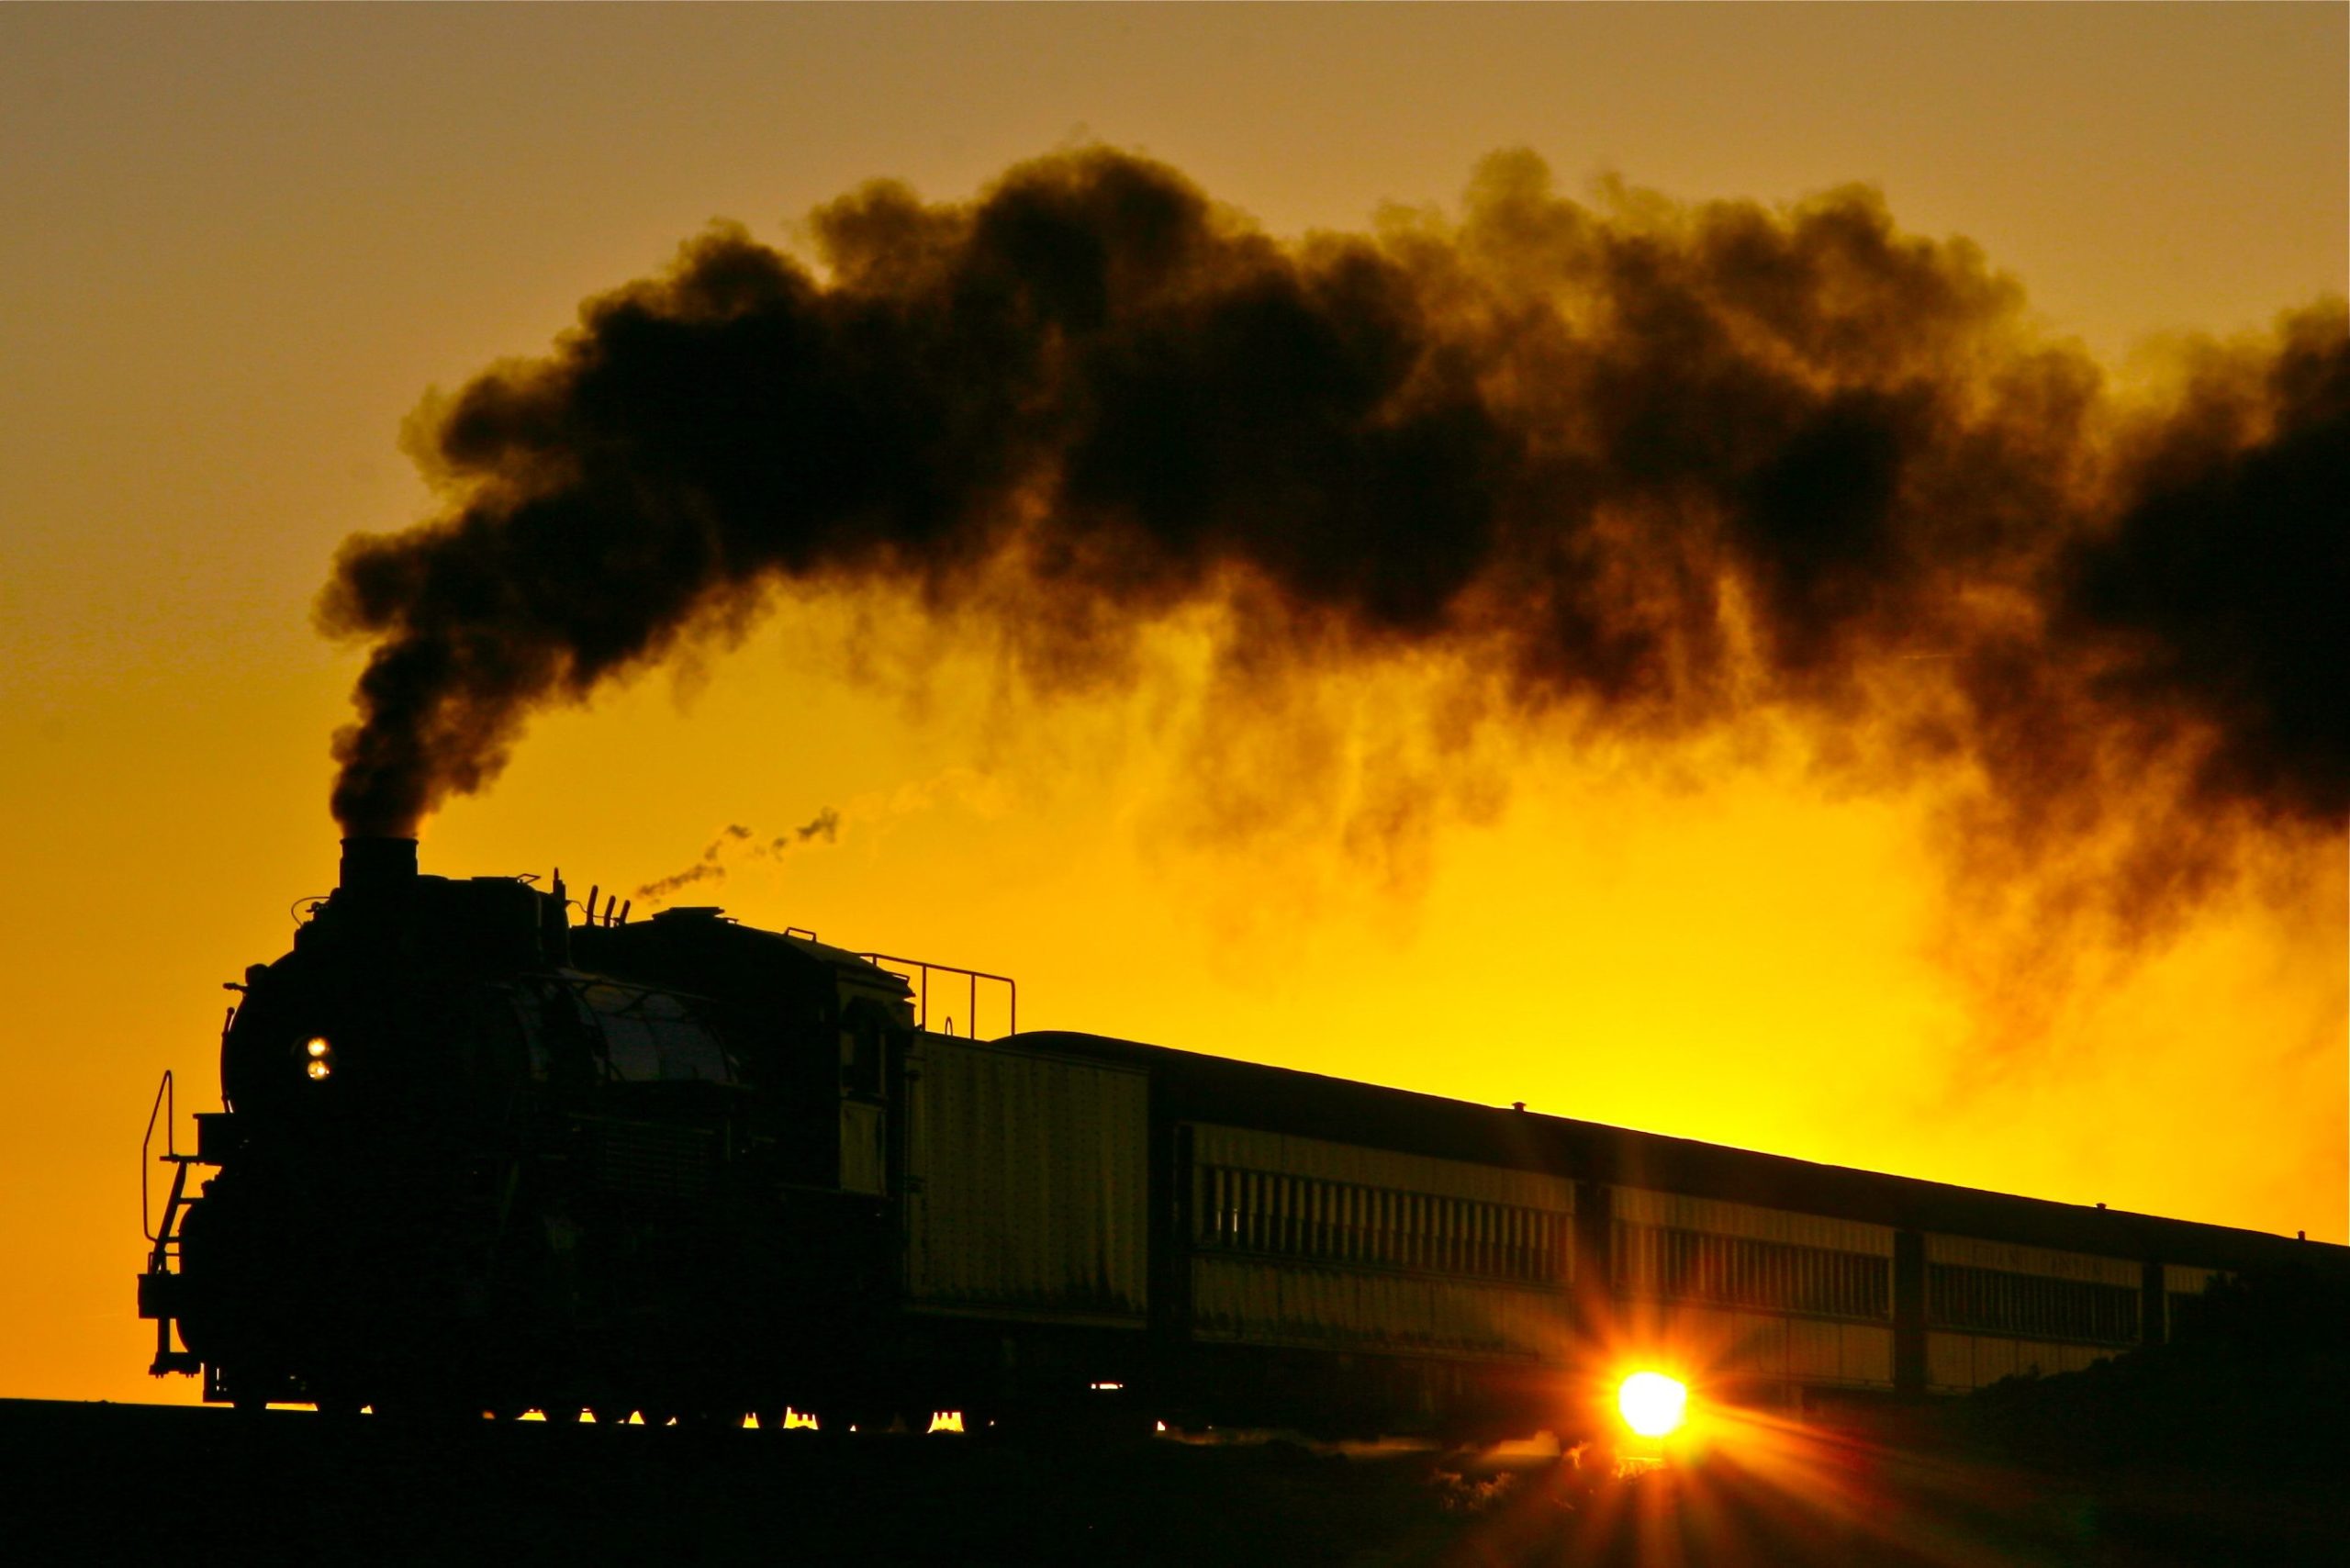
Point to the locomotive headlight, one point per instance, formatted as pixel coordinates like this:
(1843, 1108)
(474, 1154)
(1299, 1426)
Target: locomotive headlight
(319, 1070)
(318, 1053)
(1651, 1403)
(318, 1049)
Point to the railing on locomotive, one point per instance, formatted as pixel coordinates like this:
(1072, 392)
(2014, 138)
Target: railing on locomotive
(921, 970)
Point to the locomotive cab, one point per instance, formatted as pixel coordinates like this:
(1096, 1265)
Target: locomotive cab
(822, 1031)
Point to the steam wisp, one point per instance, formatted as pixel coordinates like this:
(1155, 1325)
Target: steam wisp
(711, 866)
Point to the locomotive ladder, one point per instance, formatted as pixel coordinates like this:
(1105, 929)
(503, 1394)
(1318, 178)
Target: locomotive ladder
(158, 1288)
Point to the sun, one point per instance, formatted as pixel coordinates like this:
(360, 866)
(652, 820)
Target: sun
(1652, 1403)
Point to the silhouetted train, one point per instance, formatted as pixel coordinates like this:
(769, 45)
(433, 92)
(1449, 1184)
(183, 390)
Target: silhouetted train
(478, 1158)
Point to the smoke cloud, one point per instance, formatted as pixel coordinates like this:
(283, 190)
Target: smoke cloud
(1644, 465)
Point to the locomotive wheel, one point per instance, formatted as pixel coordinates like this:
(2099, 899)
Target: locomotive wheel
(422, 1410)
(840, 1421)
(990, 1421)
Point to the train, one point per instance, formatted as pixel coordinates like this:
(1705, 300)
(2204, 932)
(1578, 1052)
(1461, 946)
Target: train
(486, 1151)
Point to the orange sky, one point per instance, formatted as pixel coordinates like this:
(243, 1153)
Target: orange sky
(236, 247)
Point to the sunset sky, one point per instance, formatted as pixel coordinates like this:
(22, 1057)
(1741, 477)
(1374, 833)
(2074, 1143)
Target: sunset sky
(240, 247)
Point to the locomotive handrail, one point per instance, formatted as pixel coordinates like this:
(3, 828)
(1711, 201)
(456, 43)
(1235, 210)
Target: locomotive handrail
(159, 1260)
(921, 1001)
(157, 1298)
(164, 1104)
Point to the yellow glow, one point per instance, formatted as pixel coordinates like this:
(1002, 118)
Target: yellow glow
(317, 1045)
(946, 1420)
(319, 1070)
(1652, 1403)
(164, 547)
(798, 1420)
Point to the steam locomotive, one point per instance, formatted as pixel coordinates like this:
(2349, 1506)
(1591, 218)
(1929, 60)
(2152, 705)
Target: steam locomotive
(478, 1157)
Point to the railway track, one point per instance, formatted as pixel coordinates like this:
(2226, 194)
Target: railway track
(150, 1485)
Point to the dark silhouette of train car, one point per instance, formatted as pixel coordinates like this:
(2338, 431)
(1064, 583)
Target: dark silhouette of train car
(475, 1156)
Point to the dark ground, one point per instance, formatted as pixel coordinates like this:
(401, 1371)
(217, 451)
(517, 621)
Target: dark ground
(83, 1484)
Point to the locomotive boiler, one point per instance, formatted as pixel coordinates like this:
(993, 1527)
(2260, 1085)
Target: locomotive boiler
(477, 1156)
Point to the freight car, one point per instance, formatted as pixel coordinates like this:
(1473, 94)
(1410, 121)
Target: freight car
(478, 1157)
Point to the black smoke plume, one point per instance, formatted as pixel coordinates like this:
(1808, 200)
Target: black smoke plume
(1646, 466)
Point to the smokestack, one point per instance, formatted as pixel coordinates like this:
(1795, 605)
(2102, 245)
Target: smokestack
(374, 865)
